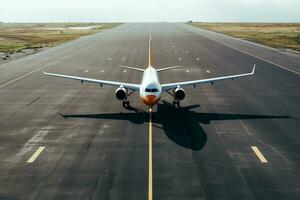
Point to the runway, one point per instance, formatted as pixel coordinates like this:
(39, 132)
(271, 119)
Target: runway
(60, 139)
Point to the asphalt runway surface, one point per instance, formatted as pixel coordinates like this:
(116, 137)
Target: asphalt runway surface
(240, 139)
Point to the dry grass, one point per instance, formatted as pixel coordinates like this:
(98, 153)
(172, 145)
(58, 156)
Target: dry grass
(18, 36)
(278, 35)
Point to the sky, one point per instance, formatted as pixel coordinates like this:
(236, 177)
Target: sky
(149, 11)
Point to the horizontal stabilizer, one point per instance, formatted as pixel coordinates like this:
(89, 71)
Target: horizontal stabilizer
(133, 68)
(167, 68)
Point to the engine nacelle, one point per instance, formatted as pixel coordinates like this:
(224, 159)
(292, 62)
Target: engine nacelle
(121, 93)
(179, 94)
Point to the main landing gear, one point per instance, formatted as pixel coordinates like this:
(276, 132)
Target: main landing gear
(126, 103)
(176, 102)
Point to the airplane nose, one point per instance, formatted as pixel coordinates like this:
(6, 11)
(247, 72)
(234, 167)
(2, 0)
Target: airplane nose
(150, 100)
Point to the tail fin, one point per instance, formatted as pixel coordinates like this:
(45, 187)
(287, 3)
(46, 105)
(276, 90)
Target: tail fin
(167, 68)
(133, 68)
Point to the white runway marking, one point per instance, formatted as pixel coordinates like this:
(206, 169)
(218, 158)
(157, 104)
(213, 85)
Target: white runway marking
(29, 73)
(35, 155)
(23, 76)
(260, 58)
(259, 154)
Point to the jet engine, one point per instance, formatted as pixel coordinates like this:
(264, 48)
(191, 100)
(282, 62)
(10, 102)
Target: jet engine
(121, 93)
(179, 94)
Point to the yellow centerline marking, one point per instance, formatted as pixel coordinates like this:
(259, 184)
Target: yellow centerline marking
(35, 155)
(149, 47)
(259, 154)
(150, 157)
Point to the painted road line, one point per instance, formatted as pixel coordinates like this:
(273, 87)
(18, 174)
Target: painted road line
(40, 68)
(260, 58)
(259, 154)
(150, 191)
(23, 76)
(35, 155)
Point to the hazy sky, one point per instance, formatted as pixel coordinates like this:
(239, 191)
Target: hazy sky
(151, 10)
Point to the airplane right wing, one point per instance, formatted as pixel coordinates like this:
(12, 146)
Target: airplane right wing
(104, 82)
(170, 86)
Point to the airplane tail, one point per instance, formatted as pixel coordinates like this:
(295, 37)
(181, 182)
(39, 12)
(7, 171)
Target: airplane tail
(158, 70)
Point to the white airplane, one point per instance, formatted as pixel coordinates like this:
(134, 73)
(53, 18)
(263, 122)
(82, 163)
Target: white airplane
(150, 89)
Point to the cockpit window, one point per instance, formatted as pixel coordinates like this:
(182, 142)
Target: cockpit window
(151, 90)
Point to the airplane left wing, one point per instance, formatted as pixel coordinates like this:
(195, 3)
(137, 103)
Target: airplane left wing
(170, 86)
(97, 81)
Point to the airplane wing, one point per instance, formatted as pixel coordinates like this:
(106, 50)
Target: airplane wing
(170, 86)
(97, 81)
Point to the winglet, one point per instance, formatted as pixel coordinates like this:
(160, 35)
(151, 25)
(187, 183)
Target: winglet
(253, 70)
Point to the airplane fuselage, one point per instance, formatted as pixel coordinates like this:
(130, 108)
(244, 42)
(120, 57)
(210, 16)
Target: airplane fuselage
(150, 90)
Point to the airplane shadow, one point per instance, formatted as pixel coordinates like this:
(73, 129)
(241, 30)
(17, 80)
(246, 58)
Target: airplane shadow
(181, 125)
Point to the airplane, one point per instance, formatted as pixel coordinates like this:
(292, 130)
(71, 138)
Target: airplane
(150, 89)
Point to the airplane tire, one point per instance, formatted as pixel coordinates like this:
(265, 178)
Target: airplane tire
(126, 103)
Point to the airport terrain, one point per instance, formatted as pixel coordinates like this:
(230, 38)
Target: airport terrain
(20, 39)
(285, 36)
(60, 139)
